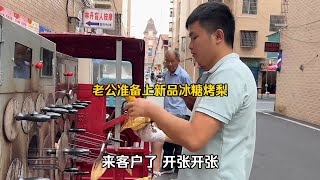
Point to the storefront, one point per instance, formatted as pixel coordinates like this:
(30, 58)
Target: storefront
(274, 57)
(254, 65)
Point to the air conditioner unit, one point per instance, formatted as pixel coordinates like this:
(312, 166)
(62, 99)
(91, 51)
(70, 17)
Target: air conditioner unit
(280, 25)
(104, 4)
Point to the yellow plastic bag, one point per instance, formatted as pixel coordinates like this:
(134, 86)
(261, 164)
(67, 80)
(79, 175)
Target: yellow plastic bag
(135, 123)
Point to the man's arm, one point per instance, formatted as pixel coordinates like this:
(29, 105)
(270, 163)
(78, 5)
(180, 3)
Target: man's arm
(169, 140)
(189, 100)
(210, 116)
(192, 135)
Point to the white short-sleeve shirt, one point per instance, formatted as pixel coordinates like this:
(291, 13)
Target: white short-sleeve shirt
(234, 144)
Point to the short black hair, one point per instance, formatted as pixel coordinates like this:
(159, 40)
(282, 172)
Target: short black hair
(213, 16)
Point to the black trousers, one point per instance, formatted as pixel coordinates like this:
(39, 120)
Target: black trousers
(170, 149)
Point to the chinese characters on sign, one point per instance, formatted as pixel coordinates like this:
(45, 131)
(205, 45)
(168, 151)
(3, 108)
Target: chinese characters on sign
(209, 161)
(271, 47)
(99, 18)
(219, 90)
(19, 19)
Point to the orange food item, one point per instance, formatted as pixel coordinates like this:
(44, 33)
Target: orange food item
(130, 98)
(135, 123)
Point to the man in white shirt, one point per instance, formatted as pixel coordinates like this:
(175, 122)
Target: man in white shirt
(222, 129)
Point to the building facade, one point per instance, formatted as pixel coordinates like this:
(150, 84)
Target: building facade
(161, 50)
(268, 67)
(150, 39)
(51, 15)
(298, 82)
(66, 16)
(122, 11)
(254, 21)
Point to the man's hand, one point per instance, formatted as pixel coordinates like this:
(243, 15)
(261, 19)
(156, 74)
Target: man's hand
(139, 108)
(151, 134)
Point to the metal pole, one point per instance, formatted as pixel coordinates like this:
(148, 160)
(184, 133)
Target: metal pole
(52, 136)
(266, 85)
(118, 81)
(99, 72)
(185, 42)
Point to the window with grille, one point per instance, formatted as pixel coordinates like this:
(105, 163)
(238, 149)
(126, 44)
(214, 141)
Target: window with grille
(276, 22)
(183, 43)
(165, 42)
(248, 39)
(171, 12)
(249, 7)
(150, 51)
(22, 61)
(170, 26)
(46, 57)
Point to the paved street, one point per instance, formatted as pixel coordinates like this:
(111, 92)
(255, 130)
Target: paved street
(286, 149)
(265, 105)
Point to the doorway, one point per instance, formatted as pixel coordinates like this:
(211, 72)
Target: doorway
(269, 78)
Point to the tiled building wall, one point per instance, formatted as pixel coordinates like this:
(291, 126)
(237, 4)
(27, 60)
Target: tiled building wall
(298, 83)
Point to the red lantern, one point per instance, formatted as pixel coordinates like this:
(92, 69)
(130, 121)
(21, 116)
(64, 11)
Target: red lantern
(39, 65)
(70, 73)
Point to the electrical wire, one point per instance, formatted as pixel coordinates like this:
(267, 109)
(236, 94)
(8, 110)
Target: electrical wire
(67, 11)
(86, 3)
(307, 42)
(311, 59)
(298, 26)
(115, 7)
(155, 52)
